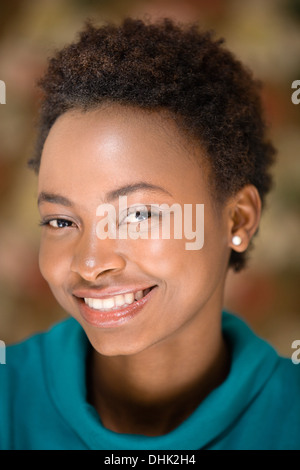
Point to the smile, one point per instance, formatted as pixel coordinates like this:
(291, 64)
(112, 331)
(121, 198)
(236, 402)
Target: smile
(103, 311)
(116, 301)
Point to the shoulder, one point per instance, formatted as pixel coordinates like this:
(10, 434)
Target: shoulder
(23, 376)
(276, 409)
(285, 387)
(30, 355)
(248, 349)
(266, 386)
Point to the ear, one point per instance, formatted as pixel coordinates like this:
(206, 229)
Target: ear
(244, 210)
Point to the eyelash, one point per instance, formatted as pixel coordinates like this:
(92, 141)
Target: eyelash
(46, 222)
(130, 211)
(149, 210)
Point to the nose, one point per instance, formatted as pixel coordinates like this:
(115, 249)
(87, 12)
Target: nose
(93, 257)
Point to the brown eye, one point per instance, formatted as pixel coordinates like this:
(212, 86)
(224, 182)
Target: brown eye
(139, 214)
(59, 223)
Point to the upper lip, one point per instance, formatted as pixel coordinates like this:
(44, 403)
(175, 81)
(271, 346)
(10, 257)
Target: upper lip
(108, 292)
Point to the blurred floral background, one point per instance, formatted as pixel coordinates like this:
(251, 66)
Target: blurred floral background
(264, 34)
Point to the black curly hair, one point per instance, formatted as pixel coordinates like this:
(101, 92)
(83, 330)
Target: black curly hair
(157, 66)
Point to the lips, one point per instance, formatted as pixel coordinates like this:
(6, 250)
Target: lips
(103, 310)
(116, 301)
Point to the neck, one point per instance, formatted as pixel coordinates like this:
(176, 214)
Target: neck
(168, 380)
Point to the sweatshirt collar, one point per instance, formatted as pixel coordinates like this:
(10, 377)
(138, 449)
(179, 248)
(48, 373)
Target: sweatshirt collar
(252, 363)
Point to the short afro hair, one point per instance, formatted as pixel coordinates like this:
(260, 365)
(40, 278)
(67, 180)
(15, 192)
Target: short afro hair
(175, 68)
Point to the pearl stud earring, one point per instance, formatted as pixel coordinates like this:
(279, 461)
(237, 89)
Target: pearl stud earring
(236, 240)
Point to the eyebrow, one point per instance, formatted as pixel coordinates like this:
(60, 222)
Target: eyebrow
(54, 199)
(110, 196)
(132, 188)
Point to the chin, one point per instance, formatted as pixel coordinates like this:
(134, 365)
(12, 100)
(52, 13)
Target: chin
(110, 346)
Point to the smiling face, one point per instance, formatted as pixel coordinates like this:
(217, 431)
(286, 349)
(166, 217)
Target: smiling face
(128, 294)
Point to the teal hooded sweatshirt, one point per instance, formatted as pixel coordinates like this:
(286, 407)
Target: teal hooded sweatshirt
(43, 401)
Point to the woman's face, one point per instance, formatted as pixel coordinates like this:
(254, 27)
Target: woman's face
(128, 294)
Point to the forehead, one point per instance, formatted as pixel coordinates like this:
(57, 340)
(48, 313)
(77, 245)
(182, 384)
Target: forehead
(114, 144)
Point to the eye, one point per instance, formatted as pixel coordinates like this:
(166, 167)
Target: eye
(57, 223)
(60, 223)
(139, 214)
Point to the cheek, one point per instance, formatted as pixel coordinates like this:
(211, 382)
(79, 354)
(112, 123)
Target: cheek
(53, 262)
(158, 258)
(186, 273)
(54, 266)
(179, 272)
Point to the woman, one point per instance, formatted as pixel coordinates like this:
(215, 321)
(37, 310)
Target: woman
(147, 130)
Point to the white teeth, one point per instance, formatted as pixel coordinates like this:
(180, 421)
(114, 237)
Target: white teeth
(108, 303)
(129, 298)
(119, 300)
(139, 295)
(94, 303)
